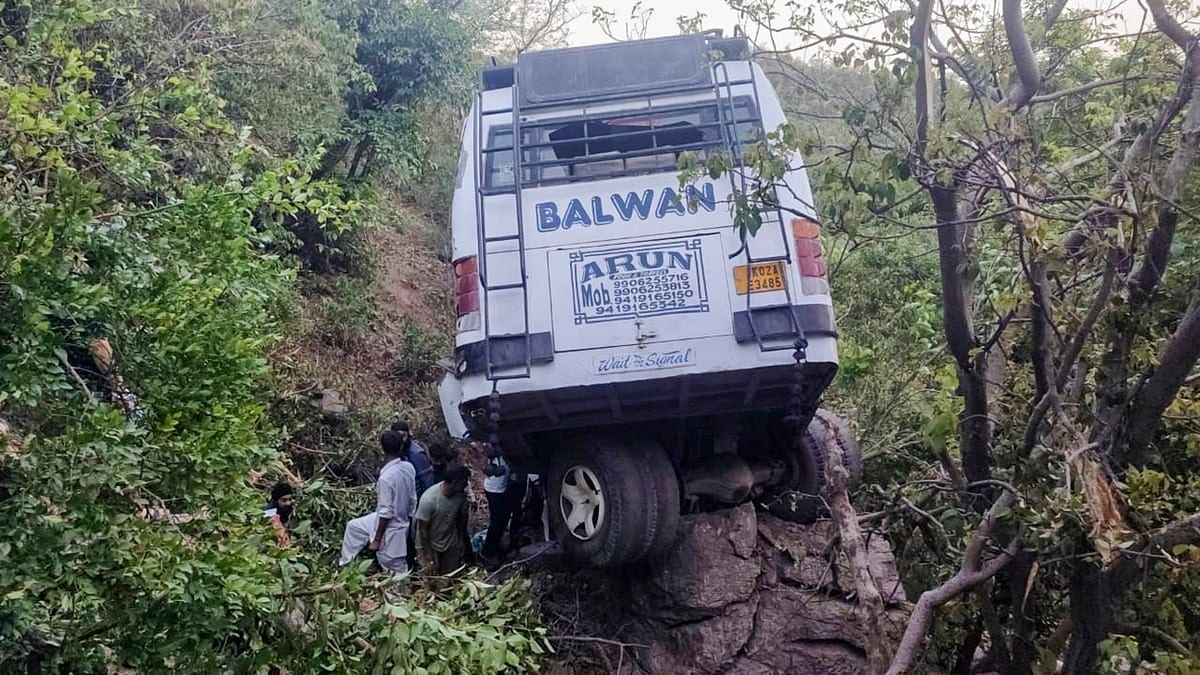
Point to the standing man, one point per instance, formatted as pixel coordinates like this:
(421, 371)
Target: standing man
(500, 489)
(442, 523)
(416, 455)
(385, 531)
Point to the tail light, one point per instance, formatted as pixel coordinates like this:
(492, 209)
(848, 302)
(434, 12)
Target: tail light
(810, 256)
(466, 294)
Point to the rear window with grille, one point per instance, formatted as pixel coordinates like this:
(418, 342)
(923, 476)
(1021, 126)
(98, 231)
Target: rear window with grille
(586, 148)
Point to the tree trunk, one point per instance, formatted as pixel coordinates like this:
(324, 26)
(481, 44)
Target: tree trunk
(1092, 617)
(968, 647)
(975, 425)
(1022, 648)
(333, 157)
(359, 152)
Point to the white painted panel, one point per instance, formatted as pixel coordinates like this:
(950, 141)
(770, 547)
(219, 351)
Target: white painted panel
(663, 289)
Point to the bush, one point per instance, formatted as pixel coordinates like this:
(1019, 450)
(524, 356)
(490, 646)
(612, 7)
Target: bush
(141, 281)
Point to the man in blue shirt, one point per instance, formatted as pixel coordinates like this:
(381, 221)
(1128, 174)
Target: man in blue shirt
(416, 455)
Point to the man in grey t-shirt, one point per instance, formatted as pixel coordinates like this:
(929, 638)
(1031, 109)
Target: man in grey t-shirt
(441, 523)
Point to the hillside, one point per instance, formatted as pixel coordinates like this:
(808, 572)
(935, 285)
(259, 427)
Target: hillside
(223, 267)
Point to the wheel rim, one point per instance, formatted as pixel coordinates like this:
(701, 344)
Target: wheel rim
(582, 502)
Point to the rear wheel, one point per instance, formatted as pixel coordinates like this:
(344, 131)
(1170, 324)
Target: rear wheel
(802, 499)
(661, 473)
(607, 500)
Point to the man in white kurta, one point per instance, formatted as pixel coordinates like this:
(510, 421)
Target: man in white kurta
(386, 530)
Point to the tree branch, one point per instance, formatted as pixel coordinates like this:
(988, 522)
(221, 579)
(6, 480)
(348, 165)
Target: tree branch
(1137, 151)
(1066, 361)
(1028, 76)
(973, 571)
(870, 600)
(919, 41)
(1175, 363)
(1052, 14)
(1150, 271)
(1168, 25)
(1081, 89)
(1128, 560)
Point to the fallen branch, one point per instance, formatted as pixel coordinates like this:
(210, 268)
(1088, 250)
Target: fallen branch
(522, 561)
(66, 364)
(870, 600)
(588, 638)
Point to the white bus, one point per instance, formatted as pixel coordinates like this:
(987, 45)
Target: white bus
(614, 332)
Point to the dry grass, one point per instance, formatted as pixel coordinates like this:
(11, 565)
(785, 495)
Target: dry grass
(353, 333)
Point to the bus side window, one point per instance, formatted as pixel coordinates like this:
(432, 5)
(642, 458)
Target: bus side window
(500, 163)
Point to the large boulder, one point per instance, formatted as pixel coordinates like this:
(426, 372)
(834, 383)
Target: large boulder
(745, 592)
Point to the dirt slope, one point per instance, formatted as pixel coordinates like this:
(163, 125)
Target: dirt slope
(375, 336)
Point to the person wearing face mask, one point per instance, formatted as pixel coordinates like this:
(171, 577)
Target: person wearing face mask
(279, 510)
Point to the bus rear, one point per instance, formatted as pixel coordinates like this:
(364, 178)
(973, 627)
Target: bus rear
(580, 261)
(596, 295)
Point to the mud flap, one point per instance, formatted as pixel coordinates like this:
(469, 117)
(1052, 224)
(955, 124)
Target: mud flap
(450, 394)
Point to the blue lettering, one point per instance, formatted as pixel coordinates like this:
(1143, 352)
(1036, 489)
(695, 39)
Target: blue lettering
(598, 214)
(679, 261)
(594, 297)
(631, 204)
(670, 202)
(650, 259)
(706, 199)
(619, 263)
(576, 215)
(591, 271)
(547, 217)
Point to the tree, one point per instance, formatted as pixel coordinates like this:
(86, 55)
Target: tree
(1048, 163)
(144, 275)
(516, 27)
(405, 54)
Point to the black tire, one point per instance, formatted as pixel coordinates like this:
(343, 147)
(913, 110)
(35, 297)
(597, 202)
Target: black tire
(803, 499)
(628, 523)
(662, 479)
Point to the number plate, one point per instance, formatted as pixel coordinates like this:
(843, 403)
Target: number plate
(766, 277)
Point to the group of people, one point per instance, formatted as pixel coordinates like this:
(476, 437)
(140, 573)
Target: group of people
(421, 514)
(415, 508)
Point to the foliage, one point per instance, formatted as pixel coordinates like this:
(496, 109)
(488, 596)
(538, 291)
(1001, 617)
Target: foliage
(417, 362)
(146, 240)
(1008, 202)
(348, 312)
(503, 635)
(405, 53)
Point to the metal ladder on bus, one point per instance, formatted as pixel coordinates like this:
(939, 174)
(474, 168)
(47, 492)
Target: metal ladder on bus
(730, 126)
(487, 240)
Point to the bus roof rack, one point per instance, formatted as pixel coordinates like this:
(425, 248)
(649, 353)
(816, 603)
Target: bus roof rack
(565, 74)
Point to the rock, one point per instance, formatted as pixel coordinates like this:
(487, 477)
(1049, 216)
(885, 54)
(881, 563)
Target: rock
(680, 587)
(745, 592)
(328, 402)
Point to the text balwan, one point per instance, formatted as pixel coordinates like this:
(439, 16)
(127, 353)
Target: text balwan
(628, 206)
